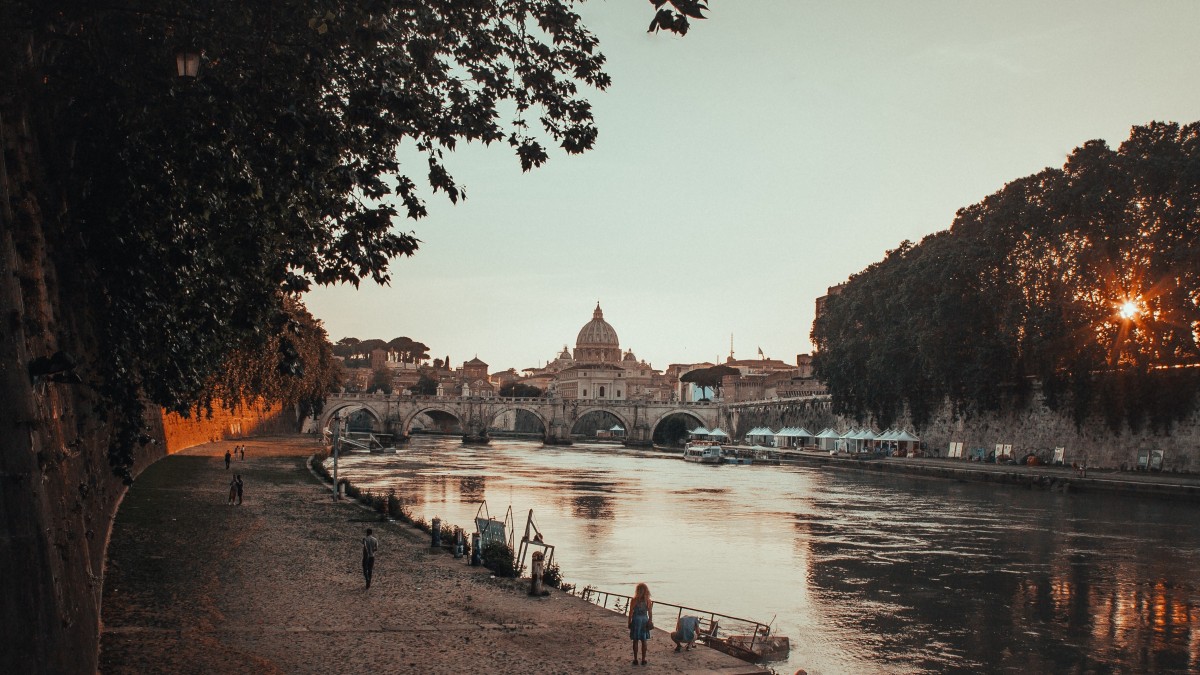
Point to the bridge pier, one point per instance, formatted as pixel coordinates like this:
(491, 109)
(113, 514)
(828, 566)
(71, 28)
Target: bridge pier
(476, 433)
(558, 434)
(640, 436)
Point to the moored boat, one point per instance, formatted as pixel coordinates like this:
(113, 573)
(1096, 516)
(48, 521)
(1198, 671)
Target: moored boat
(752, 648)
(703, 452)
(732, 456)
(765, 455)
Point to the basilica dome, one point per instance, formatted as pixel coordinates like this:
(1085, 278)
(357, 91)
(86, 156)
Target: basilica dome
(597, 340)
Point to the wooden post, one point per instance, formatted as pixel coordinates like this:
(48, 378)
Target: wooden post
(535, 575)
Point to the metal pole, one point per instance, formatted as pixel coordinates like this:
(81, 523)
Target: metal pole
(337, 428)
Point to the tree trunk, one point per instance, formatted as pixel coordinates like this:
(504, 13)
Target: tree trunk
(57, 494)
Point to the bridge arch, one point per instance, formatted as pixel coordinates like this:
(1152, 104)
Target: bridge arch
(532, 409)
(346, 408)
(700, 421)
(452, 411)
(584, 412)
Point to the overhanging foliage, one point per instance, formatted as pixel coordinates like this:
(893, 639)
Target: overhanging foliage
(1084, 279)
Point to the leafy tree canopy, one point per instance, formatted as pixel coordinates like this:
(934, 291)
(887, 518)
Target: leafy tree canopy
(708, 378)
(1084, 279)
(520, 390)
(381, 380)
(426, 386)
(191, 208)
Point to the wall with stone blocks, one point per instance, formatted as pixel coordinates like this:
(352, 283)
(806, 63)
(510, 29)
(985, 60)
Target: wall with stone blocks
(186, 432)
(1038, 429)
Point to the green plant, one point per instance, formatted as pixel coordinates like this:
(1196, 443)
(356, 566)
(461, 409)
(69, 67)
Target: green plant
(318, 465)
(499, 558)
(552, 576)
(395, 507)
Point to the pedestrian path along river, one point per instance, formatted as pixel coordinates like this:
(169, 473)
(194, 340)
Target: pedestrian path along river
(194, 585)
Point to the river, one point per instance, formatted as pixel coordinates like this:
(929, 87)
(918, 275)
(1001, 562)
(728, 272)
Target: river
(865, 572)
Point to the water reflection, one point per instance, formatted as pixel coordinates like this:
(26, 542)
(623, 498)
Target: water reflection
(472, 488)
(867, 573)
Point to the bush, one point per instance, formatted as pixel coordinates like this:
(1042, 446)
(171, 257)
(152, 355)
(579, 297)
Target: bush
(499, 558)
(395, 507)
(318, 465)
(552, 576)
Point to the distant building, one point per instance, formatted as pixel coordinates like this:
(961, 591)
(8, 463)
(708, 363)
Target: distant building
(598, 370)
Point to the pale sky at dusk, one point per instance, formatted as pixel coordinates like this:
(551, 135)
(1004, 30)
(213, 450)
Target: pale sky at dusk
(777, 149)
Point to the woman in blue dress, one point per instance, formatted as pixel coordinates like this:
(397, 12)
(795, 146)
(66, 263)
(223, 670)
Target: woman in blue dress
(641, 620)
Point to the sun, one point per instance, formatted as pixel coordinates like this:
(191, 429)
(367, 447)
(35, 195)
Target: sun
(1128, 310)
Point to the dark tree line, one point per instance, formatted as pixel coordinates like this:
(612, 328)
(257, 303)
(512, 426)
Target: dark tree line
(404, 348)
(1083, 280)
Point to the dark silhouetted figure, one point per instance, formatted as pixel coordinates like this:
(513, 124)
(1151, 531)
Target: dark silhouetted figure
(369, 544)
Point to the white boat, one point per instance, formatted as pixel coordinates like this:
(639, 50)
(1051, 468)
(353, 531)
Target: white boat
(704, 452)
(732, 456)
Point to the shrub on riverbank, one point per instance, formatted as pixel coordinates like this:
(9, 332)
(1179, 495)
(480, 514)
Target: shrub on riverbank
(552, 575)
(499, 558)
(318, 466)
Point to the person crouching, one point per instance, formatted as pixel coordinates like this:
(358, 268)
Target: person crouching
(687, 628)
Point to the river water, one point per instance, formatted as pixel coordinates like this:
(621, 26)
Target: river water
(864, 572)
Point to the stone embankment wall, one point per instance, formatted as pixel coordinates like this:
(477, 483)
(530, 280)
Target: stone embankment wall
(1038, 429)
(185, 432)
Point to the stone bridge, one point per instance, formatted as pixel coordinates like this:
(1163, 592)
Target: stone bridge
(395, 414)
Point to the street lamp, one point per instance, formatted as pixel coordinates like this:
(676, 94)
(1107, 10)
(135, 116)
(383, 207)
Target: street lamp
(337, 441)
(187, 63)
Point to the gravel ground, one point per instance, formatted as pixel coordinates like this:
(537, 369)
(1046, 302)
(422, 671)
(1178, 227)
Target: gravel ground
(274, 586)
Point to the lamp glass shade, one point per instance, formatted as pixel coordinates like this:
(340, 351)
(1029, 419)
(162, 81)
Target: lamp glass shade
(187, 63)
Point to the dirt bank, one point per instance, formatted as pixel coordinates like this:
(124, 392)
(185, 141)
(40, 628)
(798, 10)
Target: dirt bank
(274, 586)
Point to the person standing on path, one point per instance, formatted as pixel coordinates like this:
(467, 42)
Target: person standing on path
(641, 620)
(369, 545)
(238, 481)
(228, 456)
(233, 490)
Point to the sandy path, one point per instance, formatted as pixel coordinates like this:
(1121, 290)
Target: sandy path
(274, 586)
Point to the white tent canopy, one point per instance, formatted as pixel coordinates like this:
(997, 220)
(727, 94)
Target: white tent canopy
(717, 433)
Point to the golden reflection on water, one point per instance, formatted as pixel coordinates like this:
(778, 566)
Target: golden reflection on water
(866, 573)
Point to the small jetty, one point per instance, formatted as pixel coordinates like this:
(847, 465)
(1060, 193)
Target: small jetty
(746, 639)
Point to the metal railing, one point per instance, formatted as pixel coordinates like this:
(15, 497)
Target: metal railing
(616, 602)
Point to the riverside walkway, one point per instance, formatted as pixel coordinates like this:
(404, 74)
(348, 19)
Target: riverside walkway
(1157, 485)
(274, 586)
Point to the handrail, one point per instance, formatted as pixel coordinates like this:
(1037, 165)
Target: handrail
(601, 599)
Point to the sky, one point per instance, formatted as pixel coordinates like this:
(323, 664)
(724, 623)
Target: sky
(777, 149)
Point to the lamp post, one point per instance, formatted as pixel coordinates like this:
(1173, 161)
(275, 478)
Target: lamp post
(337, 441)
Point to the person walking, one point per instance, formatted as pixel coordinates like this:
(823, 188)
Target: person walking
(238, 481)
(369, 545)
(233, 490)
(641, 620)
(228, 456)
